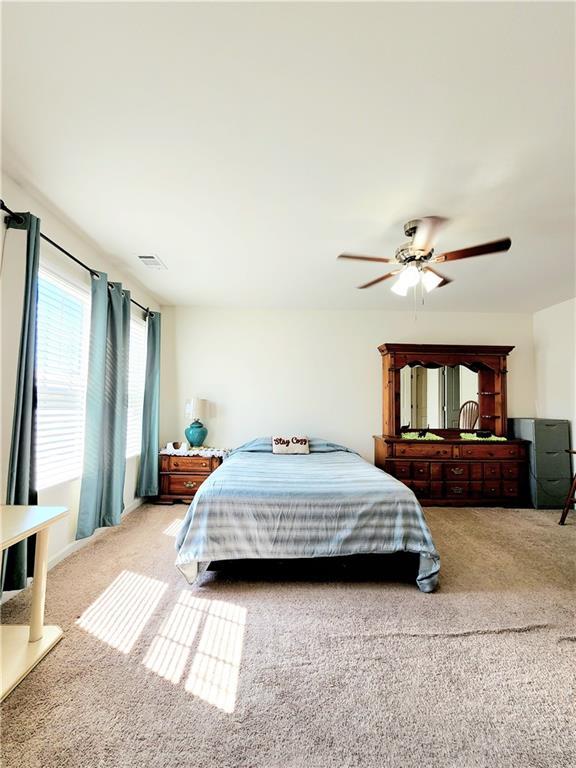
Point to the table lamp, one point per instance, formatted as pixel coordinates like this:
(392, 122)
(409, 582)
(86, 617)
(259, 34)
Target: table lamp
(196, 432)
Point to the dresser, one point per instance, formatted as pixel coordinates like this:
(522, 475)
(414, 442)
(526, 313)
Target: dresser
(181, 476)
(457, 472)
(425, 383)
(550, 467)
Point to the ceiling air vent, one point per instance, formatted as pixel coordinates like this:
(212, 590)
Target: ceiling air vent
(152, 262)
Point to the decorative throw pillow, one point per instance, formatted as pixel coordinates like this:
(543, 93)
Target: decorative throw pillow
(290, 445)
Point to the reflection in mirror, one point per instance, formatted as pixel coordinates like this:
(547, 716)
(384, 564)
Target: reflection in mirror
(438, 398)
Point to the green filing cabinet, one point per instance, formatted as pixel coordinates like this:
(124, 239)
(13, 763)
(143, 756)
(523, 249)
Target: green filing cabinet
(550, 466)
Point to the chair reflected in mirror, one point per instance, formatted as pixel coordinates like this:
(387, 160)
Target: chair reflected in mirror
(468, 416)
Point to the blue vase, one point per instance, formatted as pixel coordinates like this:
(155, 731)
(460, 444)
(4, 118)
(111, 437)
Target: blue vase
(196, 433)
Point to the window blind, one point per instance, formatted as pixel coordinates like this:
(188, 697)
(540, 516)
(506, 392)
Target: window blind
(63, 332)
(136, 378)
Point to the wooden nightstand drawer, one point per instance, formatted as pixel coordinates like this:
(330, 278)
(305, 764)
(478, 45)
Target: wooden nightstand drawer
(187, 485)
(199, 464)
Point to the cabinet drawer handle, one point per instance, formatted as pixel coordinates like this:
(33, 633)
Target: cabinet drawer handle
(188, 484)
(457, 489)
(457, 470)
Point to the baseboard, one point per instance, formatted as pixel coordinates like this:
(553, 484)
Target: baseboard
(74, 546)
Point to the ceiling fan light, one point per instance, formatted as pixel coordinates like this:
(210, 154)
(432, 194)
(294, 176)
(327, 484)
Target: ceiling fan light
(411, 275)
(408, 278)
(399, 288)
(430, 280)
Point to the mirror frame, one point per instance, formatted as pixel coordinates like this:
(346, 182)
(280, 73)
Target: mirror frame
(488, 361)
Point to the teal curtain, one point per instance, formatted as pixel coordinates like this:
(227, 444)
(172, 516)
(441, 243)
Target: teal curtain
(147, 484)
(18, 561)
(102, 491)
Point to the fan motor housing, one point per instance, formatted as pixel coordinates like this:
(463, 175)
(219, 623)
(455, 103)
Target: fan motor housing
(410, 227)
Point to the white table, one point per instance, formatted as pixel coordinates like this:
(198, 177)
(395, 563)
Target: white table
(23, 646)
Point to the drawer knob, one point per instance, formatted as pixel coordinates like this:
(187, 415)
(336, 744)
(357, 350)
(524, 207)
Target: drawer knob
(189, 484)
(457, 489)
(457, 470)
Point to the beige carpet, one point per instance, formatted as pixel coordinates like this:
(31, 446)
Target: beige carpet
(306, 674)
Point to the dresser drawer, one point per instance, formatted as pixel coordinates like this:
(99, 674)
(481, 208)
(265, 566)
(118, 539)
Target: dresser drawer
(492, 470)
(199, 464)
(420, 487)
(456, 490)
(420, 470)
(491, 488)
(511, 487)
(493, 450)
(436, 489)
(399, 469)
(428, 450)
(187, 485)
(454, 471)
(510, 471)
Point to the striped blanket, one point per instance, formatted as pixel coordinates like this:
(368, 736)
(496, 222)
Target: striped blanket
(329, 502)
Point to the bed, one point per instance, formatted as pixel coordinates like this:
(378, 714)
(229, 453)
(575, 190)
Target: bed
(327, 503)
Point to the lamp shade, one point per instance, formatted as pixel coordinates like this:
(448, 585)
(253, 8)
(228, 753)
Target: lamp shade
(408, 278)
(195, 408)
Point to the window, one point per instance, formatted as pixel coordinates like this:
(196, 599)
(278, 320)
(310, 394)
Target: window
(136, 378)
(61, 368)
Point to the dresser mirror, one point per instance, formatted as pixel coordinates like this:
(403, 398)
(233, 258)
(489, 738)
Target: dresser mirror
(426, 385)
(444, 397)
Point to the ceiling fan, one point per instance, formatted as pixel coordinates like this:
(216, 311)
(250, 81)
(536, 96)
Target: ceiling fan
(415, 257)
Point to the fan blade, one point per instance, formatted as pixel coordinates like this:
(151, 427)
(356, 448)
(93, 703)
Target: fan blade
(476, 250)
(387, 276)
(363, 258)
(445, 280)
(426, 232)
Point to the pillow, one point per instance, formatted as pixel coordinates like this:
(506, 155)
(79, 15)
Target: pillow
(264, 445)
(290, 445)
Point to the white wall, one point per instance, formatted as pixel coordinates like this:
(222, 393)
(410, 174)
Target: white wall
(555, 357)
(63, 533)
(315, 372)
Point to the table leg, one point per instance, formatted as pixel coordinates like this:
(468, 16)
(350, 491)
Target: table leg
(39, 586)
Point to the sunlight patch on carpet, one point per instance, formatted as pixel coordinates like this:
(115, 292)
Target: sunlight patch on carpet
(173, 528)
(170, 649)
(216, 665)
(121, 612)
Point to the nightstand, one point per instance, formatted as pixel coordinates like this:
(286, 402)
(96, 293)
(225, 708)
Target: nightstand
(181, 476)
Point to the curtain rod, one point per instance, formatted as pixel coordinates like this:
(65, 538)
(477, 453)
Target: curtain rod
(93, 272)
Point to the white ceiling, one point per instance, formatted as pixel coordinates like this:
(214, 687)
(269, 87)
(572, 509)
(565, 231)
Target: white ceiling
(247, 145)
